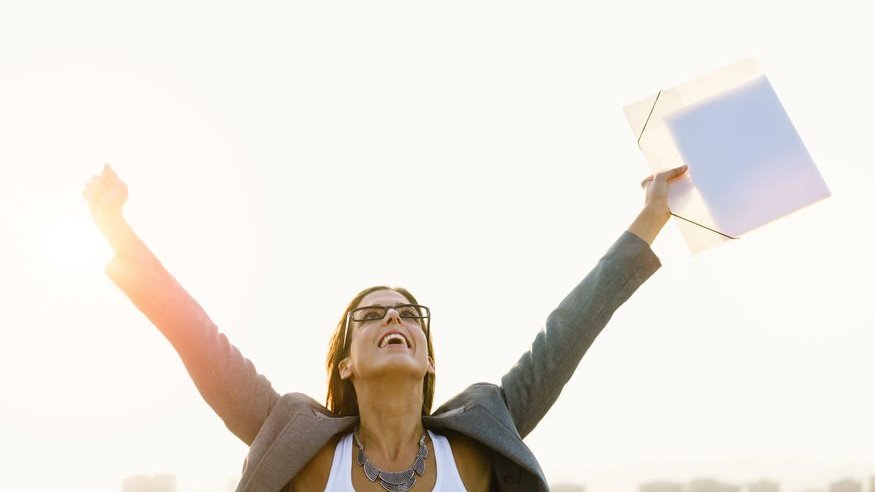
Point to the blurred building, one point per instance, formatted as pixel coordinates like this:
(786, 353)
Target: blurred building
(764, 486)
(155, 483)
(847, 485)
(566, 487)
(709, 485)
(661, 487)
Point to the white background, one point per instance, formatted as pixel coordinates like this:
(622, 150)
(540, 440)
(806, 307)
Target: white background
(282, 157)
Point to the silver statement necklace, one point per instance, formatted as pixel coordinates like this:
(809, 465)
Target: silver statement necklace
(393, 481)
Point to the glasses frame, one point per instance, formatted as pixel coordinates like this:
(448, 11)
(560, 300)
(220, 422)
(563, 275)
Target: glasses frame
(419, 307)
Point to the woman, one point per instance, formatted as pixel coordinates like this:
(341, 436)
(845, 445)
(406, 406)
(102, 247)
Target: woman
(377, 430)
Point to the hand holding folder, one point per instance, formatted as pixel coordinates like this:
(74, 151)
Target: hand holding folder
(747, 164)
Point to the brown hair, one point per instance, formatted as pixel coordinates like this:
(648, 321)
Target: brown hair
(341, 399)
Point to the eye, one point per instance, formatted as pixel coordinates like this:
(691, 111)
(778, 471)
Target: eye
(408, 312)
(369, 313)
(372, 314)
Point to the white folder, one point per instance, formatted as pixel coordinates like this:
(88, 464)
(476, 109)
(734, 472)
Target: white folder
(747, 165)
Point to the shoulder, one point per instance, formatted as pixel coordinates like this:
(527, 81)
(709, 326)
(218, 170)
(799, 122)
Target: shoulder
(476, 394)
(299, 418)
(300, 400)
(471, 405)
(291, 404)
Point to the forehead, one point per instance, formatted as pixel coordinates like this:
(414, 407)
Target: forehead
(383, 298)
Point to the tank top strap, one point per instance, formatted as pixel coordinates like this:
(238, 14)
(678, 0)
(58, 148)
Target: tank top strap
(448, 479)
(340, 477)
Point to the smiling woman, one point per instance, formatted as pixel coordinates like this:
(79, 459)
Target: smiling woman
(377, 430)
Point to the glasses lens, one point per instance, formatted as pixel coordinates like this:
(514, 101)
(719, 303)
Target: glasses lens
(411, 311)
(372, 313)
(369, 313)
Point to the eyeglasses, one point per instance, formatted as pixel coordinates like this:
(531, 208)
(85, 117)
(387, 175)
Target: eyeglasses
(377, 313)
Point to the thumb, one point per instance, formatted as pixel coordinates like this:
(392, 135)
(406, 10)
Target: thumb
(673, 173)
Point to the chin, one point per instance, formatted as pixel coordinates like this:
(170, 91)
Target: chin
(398, 366)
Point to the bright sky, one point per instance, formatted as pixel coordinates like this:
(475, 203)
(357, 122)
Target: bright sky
(280, 158)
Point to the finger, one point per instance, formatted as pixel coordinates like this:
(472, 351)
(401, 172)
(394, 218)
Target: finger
(92, 195)
(95, 193)
(109, 171)
(673, 173)
(111, 179)
(89, 190)
(106, 180)
(646, 180)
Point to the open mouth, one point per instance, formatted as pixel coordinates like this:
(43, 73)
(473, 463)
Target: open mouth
(393, 339)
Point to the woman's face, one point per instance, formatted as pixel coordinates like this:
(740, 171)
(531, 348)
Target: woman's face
(376, 347)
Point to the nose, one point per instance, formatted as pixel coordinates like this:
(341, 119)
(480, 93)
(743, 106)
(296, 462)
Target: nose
(392, 316)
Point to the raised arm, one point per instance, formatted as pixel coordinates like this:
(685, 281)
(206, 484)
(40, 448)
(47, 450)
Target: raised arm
(227, 381)
(532, 386)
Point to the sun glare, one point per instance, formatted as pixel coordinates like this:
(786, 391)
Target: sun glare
(72, 245)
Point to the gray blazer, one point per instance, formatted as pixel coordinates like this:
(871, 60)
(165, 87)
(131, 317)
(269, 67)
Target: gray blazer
(285, 431)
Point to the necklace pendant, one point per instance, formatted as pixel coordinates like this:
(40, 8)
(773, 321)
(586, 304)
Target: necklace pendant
(371, 471)
(419, 466)
(397, 478)
(401, 487)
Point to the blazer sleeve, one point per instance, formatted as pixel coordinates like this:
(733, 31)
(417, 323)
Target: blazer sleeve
(532, 386)
(227, 381)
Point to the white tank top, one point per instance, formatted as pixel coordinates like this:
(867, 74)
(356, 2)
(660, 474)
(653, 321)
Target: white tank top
(448, 479)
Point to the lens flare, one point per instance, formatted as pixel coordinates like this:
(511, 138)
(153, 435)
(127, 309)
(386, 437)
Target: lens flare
(71, 244)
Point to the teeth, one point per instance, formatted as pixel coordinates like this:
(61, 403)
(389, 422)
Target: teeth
(392, 336)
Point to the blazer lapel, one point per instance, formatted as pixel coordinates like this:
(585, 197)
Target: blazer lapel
(478, 422)
(298, 441)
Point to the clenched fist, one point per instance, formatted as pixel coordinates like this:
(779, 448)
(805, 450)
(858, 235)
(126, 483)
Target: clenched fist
(106, 195)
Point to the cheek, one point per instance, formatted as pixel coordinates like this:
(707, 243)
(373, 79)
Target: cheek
(362, 346)
(421, 340)
(359, 335)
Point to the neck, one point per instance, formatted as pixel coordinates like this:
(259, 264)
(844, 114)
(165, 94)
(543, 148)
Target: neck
(390, 424)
